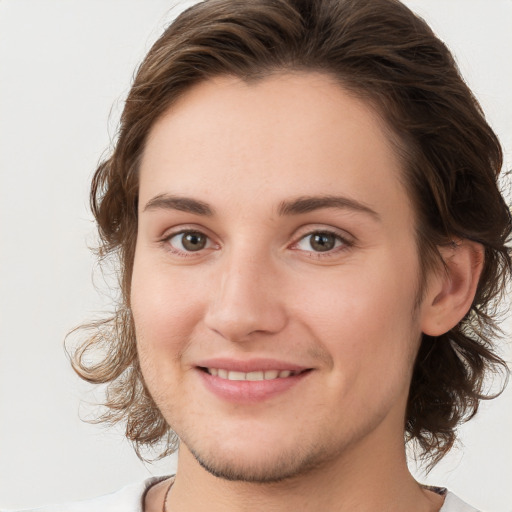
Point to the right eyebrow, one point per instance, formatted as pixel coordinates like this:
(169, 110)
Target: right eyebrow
(183, 204)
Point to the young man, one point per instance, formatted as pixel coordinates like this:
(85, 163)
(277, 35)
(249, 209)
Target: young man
(304, 201)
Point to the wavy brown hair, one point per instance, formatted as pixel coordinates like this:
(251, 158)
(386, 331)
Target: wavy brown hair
(383, 53)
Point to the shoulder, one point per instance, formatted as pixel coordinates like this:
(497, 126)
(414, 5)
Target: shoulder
(127, 499)
(453, 503)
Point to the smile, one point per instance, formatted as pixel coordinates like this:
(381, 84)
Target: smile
(251, 376)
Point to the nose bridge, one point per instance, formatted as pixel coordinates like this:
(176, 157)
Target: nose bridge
(246, 299)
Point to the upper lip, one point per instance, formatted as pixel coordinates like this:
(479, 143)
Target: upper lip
(250, 365)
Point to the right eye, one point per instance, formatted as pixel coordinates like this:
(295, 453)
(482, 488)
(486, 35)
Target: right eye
(189, 241)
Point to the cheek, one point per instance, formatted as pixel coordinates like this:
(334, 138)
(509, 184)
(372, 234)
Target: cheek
(363, 317)
(166, 308)
(165, 312)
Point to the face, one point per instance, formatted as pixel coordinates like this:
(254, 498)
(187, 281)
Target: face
(275, 276)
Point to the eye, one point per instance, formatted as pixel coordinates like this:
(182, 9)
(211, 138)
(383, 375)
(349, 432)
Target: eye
(320, 241)
(189, 241)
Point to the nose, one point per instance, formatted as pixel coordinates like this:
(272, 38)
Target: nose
(246, 299)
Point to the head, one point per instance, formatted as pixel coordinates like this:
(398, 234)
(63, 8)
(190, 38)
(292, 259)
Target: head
(391, 69)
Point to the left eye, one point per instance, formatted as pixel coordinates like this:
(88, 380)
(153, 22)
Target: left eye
(189, 241)
(320, 242)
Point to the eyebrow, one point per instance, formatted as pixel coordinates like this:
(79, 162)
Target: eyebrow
(183, 204)
(308, 204)
(300, 205)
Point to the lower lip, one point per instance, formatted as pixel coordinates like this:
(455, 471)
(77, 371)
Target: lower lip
(250, 391)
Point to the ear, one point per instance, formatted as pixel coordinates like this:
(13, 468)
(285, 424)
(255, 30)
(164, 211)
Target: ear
(451, 290)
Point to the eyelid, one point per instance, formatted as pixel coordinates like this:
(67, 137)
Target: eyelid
(309, 229)
(184, 228)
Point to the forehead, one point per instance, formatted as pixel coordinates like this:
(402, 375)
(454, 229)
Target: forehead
(286, 135)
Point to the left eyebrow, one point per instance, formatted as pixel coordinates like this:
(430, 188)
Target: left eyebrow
(306, 204)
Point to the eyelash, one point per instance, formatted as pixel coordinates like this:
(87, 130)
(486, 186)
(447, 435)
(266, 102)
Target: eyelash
(344, 243)
(166, 241)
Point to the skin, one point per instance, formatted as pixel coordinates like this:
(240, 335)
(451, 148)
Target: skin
(259, 288)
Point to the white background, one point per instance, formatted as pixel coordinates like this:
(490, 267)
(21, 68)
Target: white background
(65, 67)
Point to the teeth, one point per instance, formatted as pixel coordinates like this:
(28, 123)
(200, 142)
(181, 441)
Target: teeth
(236, 376)
(253, 376)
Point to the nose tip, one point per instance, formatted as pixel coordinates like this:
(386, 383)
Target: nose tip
(246, 302)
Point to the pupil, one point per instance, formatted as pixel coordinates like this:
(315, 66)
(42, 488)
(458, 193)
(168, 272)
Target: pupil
(193, 241)
(322, 242)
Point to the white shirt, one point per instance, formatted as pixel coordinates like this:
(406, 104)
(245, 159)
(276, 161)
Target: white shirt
(131, 498)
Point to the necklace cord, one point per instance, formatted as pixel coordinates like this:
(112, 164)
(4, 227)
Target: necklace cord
(164, 509)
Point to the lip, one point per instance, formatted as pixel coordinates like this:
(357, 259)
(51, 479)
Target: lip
(245, 391)
(250, 365)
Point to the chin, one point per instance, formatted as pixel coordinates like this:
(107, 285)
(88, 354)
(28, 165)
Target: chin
(264, 467)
